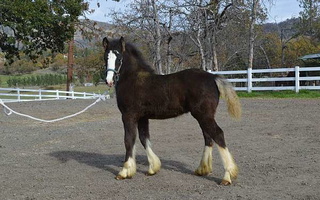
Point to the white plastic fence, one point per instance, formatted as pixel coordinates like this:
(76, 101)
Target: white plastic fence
(253, 83)
(18, 95)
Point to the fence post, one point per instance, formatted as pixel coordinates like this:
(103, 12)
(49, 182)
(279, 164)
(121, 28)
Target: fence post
(18, 93)
(57, 94)
(297, 78)
(40, 97)
(249, 75)
(72, 94)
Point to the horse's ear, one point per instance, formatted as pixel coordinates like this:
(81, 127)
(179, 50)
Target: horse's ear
(105, 43)
(123, 44)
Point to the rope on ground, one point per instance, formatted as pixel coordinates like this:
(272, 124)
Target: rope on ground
(9, 111)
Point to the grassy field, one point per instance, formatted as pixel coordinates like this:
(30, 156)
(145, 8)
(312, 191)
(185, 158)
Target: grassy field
(281, 94)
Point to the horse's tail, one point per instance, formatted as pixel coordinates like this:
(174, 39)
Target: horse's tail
(227, 92)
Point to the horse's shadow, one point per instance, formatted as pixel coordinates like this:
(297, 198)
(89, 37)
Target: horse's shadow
(112, 161)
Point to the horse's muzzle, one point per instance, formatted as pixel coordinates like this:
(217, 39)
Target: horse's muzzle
(110, 84)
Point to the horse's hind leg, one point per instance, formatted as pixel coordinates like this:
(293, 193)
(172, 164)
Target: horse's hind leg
(154, 161)
(230, 167)
(205, 166)
(210, 127)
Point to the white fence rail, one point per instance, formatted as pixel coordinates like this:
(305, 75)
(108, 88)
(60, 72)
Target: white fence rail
(253, 83)
(18, 95)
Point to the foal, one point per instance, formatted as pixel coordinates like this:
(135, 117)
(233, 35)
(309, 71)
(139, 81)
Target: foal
(143, 95)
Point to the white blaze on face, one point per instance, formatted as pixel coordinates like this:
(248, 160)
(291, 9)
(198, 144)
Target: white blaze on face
(111, 65)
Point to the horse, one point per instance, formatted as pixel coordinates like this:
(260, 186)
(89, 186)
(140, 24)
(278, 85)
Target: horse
(142, 95)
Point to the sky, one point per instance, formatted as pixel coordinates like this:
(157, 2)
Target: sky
(280, 11)
(284, 9)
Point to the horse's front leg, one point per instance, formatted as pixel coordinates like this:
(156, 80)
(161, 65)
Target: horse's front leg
(129, 168)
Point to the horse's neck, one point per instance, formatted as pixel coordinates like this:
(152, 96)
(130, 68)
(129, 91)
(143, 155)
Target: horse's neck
(134, 66)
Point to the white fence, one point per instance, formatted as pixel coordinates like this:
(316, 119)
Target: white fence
(18, 95)
(250, 80)
(268, 79)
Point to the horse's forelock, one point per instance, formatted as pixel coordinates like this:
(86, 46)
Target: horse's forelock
(114, 45)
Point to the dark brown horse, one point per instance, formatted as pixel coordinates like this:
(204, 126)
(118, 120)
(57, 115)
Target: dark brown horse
(143, 95)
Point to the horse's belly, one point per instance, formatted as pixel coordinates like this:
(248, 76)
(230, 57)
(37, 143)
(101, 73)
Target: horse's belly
(164, 113)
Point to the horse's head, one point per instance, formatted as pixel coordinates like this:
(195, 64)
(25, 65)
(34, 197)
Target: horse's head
(113, 56)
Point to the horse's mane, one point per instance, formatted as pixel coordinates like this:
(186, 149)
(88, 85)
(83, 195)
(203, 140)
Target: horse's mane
(132, 50)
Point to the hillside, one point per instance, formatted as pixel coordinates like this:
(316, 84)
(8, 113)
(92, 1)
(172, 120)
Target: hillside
(288, 27)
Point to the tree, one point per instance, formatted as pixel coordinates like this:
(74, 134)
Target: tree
(35, 26)
(153, 24)
(143, 21)
(310, 18)
(298, 47)
(89, 65)
(257, 12)
(203, 21)
(195, 17)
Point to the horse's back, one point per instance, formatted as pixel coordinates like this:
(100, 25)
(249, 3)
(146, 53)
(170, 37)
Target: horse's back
(198, 83)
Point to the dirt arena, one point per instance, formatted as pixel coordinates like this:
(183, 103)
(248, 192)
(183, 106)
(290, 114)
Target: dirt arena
(276, 146)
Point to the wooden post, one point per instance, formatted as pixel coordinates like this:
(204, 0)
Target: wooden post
(70, 65)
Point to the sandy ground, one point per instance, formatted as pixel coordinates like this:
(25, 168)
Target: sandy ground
(276, 146)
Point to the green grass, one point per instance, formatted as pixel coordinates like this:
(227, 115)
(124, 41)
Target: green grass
(3, 80)
(281, 94)
(93, 89)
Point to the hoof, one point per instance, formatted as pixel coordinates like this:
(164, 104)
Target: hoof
(153, 171)
(225, 182)
(203, 171)
(154, 168)
(199, 173)
(128, 170)
(119, 177)
(150, 174)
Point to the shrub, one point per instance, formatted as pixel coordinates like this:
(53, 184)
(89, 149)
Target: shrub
(38, 80)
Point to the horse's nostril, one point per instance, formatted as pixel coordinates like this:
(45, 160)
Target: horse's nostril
(110, 84)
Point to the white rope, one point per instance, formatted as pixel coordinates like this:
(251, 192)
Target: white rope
(9, 111)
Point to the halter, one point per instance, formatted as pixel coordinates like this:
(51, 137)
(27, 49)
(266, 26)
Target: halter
(116, 72)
